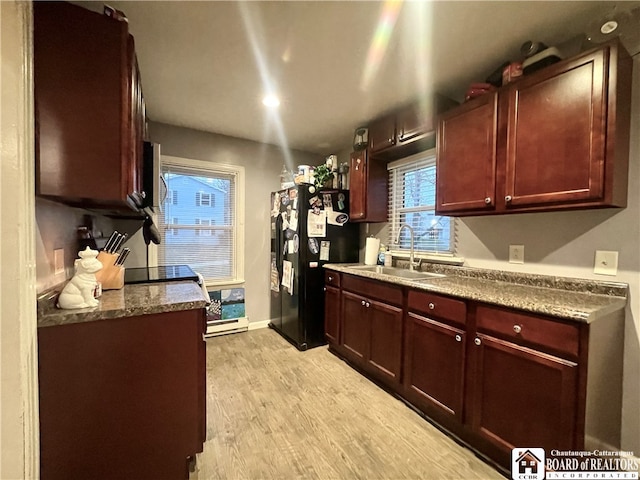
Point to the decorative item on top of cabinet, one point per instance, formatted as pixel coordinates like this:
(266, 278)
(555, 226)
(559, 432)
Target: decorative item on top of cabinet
(89, 109)
(557, 139)
(368, 188)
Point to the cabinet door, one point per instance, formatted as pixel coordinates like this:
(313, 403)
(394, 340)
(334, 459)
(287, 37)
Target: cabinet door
(522, 396)
(358, 186)
(434, 366)
(466, 156)
(557, 128)
(332, 315)
(382, 134)
(356, 327)
(385, 341)
(84, 94)
(413, 121)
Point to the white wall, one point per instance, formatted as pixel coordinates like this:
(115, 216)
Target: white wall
(564, 244)
(18, 354)
(263, 164)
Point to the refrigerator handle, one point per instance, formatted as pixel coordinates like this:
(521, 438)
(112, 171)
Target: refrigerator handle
(278, 245)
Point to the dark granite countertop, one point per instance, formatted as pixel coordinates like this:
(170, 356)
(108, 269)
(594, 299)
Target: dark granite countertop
(567, 298)
(139, 299)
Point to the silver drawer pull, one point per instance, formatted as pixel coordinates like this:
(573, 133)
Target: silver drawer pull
(368, 304)
(517, 328)
(330, 278)
(432, 306)
(477, 341)
(363, 303)
(508, 198)
(324, 289)
(458, 338)
(487, 200)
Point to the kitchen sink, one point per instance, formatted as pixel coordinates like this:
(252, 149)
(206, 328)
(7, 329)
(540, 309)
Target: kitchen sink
(398, 272)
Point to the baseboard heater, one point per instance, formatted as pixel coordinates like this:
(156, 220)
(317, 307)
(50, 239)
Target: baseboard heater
(225, 326)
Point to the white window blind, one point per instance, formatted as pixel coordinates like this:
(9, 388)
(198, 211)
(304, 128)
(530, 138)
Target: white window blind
(199, 224)
(412, 198)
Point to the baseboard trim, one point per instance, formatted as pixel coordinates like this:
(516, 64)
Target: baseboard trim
(258, 325)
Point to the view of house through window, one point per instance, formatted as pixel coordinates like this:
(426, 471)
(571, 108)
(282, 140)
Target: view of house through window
(199, 218)
(412, 199)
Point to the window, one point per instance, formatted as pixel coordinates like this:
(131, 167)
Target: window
(172, 197)
(204, 231)
(204, 199)
(211, 244)
(412, 198)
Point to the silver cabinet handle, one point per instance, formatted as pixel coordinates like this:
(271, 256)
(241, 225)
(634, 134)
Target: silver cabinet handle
(431, 306)
(330, 278)
(508, 198)
(324, 289)
(487, 200)
(458, 338)
(477, 341)
(363, 303)
(368, 304)
(517, 328)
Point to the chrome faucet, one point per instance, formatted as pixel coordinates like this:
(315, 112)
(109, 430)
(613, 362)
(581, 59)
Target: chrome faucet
(411, 262)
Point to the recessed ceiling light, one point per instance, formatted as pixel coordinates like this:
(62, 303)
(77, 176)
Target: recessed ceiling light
(271, 101)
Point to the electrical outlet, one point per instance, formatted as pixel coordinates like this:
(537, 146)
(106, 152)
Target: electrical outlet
(516, 253)
(606, 263)
(58, 261)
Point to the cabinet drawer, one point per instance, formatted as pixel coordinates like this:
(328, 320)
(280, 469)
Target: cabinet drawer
(438, 306)
(371, 289)
(529, 328)
(332, 278)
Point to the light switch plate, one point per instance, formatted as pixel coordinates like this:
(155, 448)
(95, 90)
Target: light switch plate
(58, 261)
(516, 253)
(606, 263)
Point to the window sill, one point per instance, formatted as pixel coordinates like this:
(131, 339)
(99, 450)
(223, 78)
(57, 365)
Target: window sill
(210, 283)
(443, 258)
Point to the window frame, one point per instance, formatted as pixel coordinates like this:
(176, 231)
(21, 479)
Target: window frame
(238, 244)
(448, 256)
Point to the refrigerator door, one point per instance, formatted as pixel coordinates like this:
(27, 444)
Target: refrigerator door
(337, 242)
(276, 262)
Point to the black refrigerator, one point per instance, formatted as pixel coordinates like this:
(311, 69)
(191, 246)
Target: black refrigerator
(309, 228)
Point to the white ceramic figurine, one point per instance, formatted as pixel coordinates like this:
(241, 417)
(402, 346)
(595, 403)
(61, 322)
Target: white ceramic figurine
(78, 293)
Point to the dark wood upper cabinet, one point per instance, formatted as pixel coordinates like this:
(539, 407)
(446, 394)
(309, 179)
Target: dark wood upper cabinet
(555, 140)
(409, 129)
(89, 109)
(382, 134)
(466, 156)
(368, 188)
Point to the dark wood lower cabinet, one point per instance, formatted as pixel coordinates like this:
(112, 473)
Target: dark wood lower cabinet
(332, 315)
(356, 328)
(122, 398)
(385, 350)
(522, 397)
(434, 361)
(372, 336)
(497, 378)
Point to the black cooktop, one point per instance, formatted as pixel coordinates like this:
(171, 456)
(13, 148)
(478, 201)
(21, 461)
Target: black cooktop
(167, 273)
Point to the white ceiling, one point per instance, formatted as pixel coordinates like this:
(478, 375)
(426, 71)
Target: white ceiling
(206, 65)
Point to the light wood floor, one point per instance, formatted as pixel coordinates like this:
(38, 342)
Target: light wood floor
(277, 413)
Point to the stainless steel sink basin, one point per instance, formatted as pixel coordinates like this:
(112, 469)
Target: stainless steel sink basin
(398, 272)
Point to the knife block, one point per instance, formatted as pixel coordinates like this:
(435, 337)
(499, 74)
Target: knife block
(111, 276)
